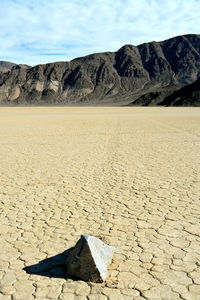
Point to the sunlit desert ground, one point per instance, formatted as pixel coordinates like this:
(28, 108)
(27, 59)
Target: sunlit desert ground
(127, 175)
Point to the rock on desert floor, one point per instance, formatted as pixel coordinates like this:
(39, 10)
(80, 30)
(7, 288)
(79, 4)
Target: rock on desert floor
(127, 175)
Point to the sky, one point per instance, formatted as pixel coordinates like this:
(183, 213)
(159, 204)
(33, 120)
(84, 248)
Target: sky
(41, 31)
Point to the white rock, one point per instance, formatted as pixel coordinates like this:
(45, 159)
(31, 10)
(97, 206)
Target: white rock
(89, 259)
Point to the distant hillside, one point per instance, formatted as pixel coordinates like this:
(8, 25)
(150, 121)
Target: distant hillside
(6, 66)
(140, 75)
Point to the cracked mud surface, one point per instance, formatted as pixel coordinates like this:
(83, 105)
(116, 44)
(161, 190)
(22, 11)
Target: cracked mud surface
(127, 175)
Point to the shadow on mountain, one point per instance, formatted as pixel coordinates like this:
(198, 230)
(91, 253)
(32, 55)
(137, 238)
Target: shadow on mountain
(50, 267)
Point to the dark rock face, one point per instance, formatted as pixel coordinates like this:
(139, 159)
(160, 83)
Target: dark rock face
(189, 95)
(142, 75)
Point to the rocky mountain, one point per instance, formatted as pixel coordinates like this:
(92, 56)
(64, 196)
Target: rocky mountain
(140, 75)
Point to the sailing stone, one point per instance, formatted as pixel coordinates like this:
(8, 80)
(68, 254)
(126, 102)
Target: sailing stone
(89, 258)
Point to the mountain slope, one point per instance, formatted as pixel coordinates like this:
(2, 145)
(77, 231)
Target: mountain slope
(189, 95)
(111, 77)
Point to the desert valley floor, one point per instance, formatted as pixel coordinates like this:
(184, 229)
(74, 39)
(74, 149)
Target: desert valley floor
(130, 176)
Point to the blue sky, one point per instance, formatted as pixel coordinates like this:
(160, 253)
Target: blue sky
(41, 31)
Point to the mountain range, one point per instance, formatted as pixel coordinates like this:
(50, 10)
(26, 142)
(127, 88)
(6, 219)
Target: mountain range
(154, 73)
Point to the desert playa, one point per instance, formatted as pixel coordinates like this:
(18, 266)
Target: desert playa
(129, 175)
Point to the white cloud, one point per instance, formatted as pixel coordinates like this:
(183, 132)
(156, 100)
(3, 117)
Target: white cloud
(51, 30)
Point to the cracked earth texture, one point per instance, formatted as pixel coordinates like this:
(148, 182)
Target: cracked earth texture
(127, 175)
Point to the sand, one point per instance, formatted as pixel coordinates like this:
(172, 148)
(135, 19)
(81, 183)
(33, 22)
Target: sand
(127, 175)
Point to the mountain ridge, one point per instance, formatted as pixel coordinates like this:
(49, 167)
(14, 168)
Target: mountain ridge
(117, 77)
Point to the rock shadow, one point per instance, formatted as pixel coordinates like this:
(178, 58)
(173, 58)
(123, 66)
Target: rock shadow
(51, 267)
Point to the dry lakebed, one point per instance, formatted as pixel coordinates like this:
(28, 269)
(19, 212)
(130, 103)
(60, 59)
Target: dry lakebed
(128, 175)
